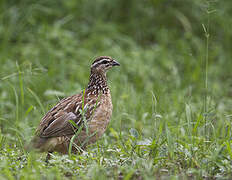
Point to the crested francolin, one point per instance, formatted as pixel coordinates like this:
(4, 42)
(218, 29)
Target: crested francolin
(85, 115)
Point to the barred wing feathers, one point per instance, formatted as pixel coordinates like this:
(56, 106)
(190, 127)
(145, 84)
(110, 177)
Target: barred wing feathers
(56, 122)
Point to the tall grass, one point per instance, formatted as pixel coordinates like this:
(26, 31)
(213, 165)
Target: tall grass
(207, 34)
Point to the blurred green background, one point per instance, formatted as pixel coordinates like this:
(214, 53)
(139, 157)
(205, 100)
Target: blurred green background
(47, 47)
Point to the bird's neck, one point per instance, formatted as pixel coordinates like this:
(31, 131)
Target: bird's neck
(98, 83)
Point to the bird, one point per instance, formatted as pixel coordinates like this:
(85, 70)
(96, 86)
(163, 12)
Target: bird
(85, 115)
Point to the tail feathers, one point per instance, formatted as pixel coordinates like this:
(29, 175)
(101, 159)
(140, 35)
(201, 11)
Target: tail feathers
(36, 143)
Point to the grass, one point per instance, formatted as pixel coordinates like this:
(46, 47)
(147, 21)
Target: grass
(171, 94)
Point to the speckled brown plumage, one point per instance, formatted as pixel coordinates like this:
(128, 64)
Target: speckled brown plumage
(55, 130)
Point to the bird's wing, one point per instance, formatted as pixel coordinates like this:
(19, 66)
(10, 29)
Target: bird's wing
(61, 126)
(58, 117)
(57, 121)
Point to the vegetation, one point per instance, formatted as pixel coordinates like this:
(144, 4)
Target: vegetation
(172, 94)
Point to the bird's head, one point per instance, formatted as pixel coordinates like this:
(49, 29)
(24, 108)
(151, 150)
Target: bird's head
(103, 63)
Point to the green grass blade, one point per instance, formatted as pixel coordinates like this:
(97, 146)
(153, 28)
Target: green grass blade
(37, 99)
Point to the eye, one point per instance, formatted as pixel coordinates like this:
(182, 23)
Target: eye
(104, 62)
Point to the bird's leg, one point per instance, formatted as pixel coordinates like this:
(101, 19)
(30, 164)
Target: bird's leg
(48, 157)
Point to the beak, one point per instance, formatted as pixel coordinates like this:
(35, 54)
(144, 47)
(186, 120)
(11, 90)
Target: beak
(115, 63)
